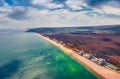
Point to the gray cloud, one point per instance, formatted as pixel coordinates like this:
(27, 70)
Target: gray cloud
(18, 14)
(112, 16)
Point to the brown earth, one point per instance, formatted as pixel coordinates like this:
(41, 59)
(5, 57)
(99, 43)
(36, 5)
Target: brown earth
(100, 45)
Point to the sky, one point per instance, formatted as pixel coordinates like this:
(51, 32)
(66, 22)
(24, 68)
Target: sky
(58, 13)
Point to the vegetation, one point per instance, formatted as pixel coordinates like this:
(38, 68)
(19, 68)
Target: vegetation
(102, 41)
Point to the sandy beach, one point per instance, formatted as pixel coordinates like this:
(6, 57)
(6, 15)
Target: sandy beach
(102, 71)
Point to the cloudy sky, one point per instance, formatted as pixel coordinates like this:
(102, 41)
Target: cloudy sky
(54, 13)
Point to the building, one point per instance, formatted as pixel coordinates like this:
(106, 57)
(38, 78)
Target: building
(118, 70)
(89, 56)
(94, 60)
(101, 61)
(81, 53)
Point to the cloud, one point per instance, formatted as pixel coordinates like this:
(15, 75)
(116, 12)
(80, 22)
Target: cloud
(59, 12)
(5, 9)
(18, 13)
(72, 5)
(111, 10)
(77, 6)
(107, 8)
(47, 4)
(39, 2)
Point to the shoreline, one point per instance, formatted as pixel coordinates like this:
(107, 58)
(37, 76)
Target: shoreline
(99, 71)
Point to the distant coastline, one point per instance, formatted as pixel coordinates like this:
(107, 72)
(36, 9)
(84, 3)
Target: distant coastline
(102, 42)
(100, 71)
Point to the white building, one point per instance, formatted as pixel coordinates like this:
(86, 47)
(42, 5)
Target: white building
(81, 53)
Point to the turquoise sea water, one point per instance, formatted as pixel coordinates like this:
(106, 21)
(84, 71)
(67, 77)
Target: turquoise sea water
(28, 56)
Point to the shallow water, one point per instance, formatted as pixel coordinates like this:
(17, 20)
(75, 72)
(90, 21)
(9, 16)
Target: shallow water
(28, 56)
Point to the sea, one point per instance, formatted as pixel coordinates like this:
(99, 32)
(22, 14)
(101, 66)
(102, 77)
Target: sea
(25, 55)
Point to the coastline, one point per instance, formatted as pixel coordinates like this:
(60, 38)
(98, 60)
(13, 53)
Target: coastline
(101, 72)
